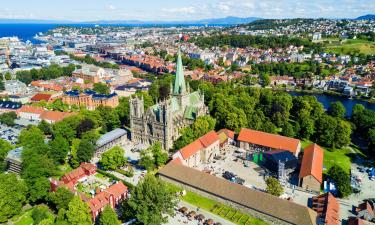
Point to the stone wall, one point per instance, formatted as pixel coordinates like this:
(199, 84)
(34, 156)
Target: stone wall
(252, 212)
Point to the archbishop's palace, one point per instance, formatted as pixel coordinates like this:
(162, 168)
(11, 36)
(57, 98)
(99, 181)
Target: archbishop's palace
(163, 122)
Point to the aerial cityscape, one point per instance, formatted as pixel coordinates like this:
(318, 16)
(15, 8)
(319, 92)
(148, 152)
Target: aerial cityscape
(210, 112)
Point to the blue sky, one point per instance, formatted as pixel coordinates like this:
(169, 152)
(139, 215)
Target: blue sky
(84, 10)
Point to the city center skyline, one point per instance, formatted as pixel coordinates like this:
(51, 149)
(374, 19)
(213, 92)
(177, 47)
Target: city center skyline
(168, 10)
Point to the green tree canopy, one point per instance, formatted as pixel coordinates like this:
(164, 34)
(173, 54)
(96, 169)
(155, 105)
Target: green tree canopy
(108, 217)
(61, 198)
(78, 212)
(337, 109)
(12, 196)
(342, 180)
(101, 88)
(274, 187)
(151, 200)
(113, 158)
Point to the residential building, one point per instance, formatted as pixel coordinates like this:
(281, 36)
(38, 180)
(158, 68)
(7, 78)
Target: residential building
(202, 150)
(327, 208)
(90, 73)
(269, 208)
(117, 137)
(30, 112)
(111, 196)
(258, 141)
(15, 87)
(311, 172)
(90, 99)
(162, 122)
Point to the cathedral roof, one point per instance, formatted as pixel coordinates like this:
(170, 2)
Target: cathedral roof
(179, 84)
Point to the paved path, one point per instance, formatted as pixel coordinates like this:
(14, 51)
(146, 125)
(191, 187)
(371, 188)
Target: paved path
(179, 219)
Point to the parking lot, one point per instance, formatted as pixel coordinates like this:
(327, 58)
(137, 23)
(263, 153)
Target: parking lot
(10, 133)
(251, 173)
(183, 218)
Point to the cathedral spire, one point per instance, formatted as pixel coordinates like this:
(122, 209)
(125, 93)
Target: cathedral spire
(179, 84)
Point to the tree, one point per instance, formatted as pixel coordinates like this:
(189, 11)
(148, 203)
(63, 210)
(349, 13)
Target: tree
(274, 187)
(78, 212)
(38, 188)
(108, 217)
(336, 109)
(101, 88)
(59, 148)
(160, 156)
(47, 221)
(266, 80)
(61, 198)
(342, 180)
(113, 158)
(8, 118)
(153, 157)
(45, 127)
(151, 200)
(31, 137)
(40, 213)
(343, 132)
(5, 147)
(326, 131)
(12, 196)
(85, 151)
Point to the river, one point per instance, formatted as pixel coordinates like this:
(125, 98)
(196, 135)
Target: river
(327, 99)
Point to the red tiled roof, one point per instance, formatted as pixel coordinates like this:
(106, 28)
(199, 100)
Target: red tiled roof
(41, 96)
(269, 140)
(209, 138)
(191, 149)
(197, 145)
(55, 115)
(328, 208)
(31, 109)
(117, 189)
(312, 162)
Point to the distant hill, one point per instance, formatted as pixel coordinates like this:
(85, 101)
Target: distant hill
(366, 17)
(216, 21)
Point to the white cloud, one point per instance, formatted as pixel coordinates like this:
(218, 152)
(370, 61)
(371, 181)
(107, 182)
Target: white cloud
(183, 10)
(111, 7)
(224, 7)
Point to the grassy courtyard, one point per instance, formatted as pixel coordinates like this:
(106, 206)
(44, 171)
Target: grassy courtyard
(221, 210)
(350, 46)
(23, 219)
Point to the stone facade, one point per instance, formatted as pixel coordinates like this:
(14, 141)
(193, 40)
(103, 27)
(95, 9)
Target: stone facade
(310, 183)
(162, 122)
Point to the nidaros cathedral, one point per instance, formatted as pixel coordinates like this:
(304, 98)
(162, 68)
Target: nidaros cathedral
(163, 122)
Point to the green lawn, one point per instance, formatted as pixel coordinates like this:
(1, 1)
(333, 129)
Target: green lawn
(351, 46)
(24, 219)
(221, 210)
(339, 157)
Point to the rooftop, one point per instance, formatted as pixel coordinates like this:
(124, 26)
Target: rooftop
(110, 136)
(269, 140)
(259, 201)
(312, 162)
